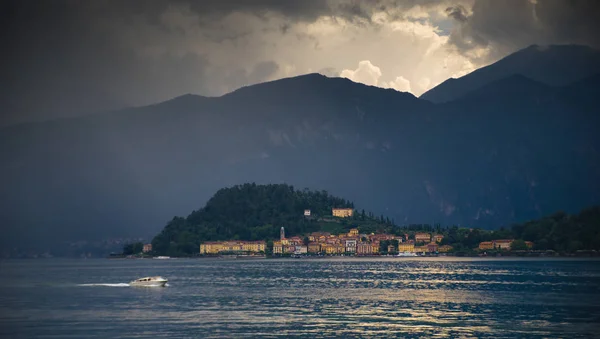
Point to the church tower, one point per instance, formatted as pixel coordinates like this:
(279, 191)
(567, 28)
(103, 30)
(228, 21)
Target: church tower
(282, 233)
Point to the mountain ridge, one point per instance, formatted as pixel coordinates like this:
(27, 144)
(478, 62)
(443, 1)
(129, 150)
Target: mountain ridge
(544, 64)
(462, 162)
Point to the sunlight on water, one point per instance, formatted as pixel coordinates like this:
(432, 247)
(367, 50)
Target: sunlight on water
(216, 298)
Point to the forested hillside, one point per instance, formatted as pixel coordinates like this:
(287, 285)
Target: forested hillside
(251, 212)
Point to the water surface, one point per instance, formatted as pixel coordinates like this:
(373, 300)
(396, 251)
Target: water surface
(216, 298)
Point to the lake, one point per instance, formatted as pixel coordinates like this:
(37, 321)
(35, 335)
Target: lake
(313, 298)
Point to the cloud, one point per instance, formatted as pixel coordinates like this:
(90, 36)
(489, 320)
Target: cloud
(71, 57)
(366, 73)
(399, 84)
(492, 29)
(369, 74)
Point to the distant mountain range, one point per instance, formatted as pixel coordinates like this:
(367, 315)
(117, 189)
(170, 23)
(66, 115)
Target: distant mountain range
(510, 148)
(554, 65)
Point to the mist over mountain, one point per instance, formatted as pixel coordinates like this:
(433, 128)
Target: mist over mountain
(512, 149)
(555, 65)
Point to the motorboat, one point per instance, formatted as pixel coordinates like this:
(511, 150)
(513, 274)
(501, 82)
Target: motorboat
(149, 282)
(407, 254)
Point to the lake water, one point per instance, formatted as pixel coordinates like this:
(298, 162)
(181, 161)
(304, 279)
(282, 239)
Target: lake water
(216, 298)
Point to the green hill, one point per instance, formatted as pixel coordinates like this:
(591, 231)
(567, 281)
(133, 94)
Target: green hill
(257, 212)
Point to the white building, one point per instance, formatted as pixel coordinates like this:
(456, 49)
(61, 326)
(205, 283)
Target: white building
(351, 245)
(307, 213)
(301, 250)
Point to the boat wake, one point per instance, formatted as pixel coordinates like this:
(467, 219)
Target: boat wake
(107, 285)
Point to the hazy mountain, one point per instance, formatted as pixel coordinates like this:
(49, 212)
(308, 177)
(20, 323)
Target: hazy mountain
(556, 65)
(513, 150)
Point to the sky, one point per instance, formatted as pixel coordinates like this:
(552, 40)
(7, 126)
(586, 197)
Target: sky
(66, 58)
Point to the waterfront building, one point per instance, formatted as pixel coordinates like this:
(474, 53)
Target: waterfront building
(432, 247)
(375, 248)
(406, 247)
(351, 245)
(254, 246)
(486, 245)
(301, 250)
(364, 248)
(211, 247)
(503, 244)
(147, 248)
(215, 247)
(314, 247)
(421, 249)
(445, 249)
(277, 247)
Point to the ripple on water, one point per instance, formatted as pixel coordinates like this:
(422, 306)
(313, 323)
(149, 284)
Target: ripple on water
(306, 298)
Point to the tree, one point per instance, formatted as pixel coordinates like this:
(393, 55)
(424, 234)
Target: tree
(518, 245)
(133, 248)
(305, 241)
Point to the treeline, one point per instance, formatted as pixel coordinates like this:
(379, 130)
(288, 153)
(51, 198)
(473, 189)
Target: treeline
(247, 212)
(559, 232)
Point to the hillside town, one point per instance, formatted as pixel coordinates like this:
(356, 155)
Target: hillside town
(351, 243)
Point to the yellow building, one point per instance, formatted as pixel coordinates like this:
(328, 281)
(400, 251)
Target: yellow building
(503, 244)
(215, 247)
(438, 237)
(342, 212)
(211, 247)
(375, 248)
(406, 247)
(277, 247)
(486, 245)
(353, 232)
(254, 246)
(421, 249)
(314, 247)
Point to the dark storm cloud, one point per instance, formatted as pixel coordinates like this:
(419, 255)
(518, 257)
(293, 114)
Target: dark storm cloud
(509, 25)
(458, 13)
(68, 57)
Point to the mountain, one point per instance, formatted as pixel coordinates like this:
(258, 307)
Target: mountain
(555, 65)
(512, 151)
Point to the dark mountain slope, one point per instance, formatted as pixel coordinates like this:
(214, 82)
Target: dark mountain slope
(556, 65)
(513, 151)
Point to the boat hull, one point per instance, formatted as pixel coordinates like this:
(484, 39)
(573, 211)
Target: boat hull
(149, 282)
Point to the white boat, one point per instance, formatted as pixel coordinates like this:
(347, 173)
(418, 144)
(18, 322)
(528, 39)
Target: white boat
(407, 254)
(149, 282)
(162, 257)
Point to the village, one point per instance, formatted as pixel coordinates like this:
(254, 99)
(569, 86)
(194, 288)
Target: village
(352, 243)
